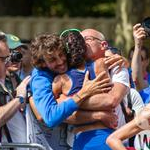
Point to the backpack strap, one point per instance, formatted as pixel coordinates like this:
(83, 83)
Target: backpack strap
(127, 117)
(129, 104)
(124, 111)
(129, 100)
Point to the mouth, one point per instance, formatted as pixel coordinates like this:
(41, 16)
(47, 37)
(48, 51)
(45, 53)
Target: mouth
(63, 68)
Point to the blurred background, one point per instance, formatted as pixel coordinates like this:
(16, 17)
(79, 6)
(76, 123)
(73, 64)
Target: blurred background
(114, 18)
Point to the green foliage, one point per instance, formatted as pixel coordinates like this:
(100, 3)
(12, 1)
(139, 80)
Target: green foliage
(74, 8)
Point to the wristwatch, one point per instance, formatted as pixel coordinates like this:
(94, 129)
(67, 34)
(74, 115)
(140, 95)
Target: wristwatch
(21, 99)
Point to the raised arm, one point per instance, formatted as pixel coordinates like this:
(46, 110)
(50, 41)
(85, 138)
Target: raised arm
(136, 64)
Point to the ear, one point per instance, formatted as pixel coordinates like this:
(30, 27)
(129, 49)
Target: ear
(104, 44)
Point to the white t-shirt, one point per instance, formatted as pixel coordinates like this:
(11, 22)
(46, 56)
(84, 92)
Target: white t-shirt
(123, 78)
(17, 128)
(136, 100)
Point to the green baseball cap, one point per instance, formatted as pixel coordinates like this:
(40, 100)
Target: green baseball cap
(13, 41)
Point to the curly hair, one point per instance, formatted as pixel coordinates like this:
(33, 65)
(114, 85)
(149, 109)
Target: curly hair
(42, 46)
(76, 48)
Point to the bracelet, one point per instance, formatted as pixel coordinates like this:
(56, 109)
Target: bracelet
(21, 99)
(79, 98)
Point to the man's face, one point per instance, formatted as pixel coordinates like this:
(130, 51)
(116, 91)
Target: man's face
(94, 41)
(56, 61)
(4, 54)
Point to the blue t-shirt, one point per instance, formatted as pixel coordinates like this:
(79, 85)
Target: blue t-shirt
(41, 88)
(77, 77)
(145, 94)
(132, 84)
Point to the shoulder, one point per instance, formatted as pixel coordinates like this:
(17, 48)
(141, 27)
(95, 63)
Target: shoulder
(61, 78)
(41, 79)
(122, 76)
(38, 73)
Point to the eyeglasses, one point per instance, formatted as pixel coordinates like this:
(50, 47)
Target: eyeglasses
(91, 38)
(65, 32)
(5, 59)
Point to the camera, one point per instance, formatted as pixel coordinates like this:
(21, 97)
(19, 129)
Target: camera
(146, 25)
(15, 56)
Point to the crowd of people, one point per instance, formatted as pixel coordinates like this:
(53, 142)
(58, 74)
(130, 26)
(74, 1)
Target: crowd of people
(74, 91)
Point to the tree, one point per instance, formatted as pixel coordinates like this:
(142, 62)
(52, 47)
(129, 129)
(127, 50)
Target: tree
(128, 13)
(16, 7)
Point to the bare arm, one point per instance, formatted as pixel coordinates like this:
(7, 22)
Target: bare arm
(139, 123)
(35, 111)
(137, 75)
(9, 109)
(126, 131)
(82, 117)
(106, 101)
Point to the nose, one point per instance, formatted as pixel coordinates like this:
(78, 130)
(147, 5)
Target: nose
(60, 60)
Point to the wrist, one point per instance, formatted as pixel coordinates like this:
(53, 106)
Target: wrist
(138, 44)
(21, 99)
(78, 97)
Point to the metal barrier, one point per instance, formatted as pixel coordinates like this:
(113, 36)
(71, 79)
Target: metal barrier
(22, 145)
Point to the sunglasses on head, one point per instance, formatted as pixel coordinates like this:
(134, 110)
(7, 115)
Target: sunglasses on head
(65, 32)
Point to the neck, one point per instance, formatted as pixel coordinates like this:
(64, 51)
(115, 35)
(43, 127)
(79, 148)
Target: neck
(81, 67)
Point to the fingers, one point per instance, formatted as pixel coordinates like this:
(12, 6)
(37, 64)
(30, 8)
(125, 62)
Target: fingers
(135, 27)
(104, 87)
(117, 63)
(139, 32)
(86, 78)
(24, 83)
(105, 90)
(100, 76)
(107, 80)
(27, 80)
(113, 59)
